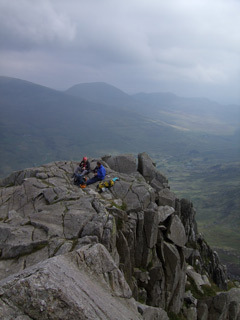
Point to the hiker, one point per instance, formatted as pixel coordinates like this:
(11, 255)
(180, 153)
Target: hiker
(99, 174)
(82, 169)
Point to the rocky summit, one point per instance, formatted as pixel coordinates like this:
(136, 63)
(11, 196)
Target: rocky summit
(132, 251)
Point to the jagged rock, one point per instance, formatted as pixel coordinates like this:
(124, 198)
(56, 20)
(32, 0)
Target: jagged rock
(156, 286)
(214, 269)
(137, 226)
(176, 231)
(124, 254)
(164, 212)
(225, 305)
(187, 215)
(147, 168)
(125, 163)
(175, 277)
(151, 227)
(199, 279)
(166, 198)
(203, 253)
(84, 284)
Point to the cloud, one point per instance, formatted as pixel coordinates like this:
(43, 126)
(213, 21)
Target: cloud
(28, 24)
(144, 45)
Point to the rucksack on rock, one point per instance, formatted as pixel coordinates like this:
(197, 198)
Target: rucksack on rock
(105, 184)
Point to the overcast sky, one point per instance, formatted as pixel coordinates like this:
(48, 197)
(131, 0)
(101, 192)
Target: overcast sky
(188, 47)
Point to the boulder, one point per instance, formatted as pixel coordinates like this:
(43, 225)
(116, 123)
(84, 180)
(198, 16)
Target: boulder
(176, 231)
(156, 286)
(164, 212)
(134, 194)
(174, 277)
(84, 284)
(198, 279)
(147, 168)
(187, 215)
(151, 227)
(214, 269)
(124, 163)
(166, 198)
(226, 305)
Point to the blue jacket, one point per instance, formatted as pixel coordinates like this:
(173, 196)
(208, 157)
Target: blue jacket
(101, 172)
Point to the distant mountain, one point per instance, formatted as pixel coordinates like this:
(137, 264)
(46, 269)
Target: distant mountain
(39, 124)
(101, 93)
(195, 114)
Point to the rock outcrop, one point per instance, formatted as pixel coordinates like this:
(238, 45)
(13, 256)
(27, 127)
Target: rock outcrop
(131, 252)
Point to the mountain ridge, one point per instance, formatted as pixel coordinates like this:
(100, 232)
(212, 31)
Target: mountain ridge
(45, 121)
(136, 244)
(216, 118)
(100, 92)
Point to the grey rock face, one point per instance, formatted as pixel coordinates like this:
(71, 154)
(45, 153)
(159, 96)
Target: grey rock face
(176, 231)
(187, 216)
(125, 163)
(175, 277)
(203, 253)
(166, 198)
(226, 305)
(146, 167)
(126, 243)
(84, 284)
(164, 212)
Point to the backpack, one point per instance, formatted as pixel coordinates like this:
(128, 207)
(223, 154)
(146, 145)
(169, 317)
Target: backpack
(105, 184)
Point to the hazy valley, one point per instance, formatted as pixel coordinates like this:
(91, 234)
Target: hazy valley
(194, 141)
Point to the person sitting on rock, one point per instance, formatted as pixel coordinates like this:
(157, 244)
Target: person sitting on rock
(99, 174)
(82, 169)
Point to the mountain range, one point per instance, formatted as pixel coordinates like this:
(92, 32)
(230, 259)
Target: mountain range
(194, 140)
(39, 124)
